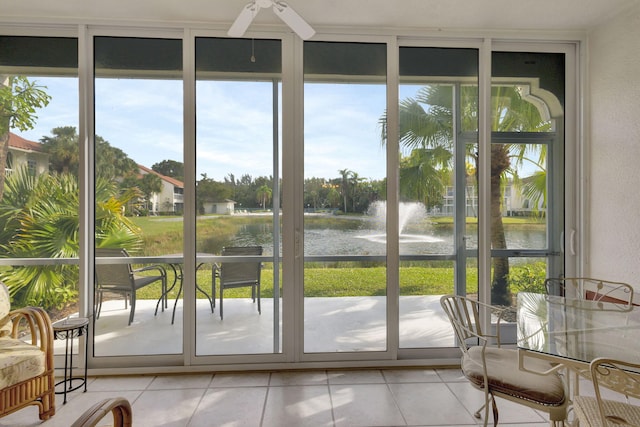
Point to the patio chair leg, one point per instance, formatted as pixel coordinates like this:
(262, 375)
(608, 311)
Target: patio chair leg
(99, 305)
(221, 291)
(259, 309)
(133, 308)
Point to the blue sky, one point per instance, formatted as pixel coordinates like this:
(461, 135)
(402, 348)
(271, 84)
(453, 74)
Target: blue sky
(144, 119)
(233, 122)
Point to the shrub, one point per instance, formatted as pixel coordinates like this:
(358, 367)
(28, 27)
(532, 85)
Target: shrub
(528, 277)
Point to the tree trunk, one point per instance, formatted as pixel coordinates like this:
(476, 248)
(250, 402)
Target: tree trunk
(4, 137)
(4, 149)
(499, 284)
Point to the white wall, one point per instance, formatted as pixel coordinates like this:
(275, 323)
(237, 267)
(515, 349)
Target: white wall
(614, 207)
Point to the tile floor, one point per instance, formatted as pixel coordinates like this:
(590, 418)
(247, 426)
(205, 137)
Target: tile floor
(373, 397)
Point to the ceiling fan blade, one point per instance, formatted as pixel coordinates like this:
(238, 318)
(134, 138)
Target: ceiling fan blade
(293, 20)
(243, 20)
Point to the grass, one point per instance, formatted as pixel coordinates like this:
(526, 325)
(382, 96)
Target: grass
(341, 282)
(506, 220)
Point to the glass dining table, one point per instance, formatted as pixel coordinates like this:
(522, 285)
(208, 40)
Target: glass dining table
(573, 332)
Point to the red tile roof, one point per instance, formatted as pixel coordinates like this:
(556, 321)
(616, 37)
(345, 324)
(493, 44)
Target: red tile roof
(169, 179)
(20, 143)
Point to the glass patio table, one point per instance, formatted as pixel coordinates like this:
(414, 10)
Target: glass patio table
(573, 332)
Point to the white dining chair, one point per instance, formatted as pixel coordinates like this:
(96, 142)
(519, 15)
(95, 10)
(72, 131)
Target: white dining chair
(495, 370)
(620, 376)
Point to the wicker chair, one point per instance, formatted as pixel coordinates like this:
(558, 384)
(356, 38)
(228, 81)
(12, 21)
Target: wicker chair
(622, 377)
(118, 406)
(494, 370)
(26, 366)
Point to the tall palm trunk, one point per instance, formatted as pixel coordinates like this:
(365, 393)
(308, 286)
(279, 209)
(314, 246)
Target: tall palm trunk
(4, 149)
(499, 284)
(4, 135)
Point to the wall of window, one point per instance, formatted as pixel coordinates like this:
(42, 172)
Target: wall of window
(193, 132)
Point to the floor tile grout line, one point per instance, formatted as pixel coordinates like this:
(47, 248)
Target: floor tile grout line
(195, 409)
(461, 403)
(333, 414)
(395, 402)
(266, 399)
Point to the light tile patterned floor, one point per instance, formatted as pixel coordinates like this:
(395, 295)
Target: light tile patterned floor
(387, 397)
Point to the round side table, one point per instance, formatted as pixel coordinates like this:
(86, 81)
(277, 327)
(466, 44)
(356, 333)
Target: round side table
(68, 329)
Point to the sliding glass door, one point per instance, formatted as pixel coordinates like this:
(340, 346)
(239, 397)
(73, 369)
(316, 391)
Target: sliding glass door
(438, 211)
(527, 209)
(238, 92)
(138, 194)
(345, 268)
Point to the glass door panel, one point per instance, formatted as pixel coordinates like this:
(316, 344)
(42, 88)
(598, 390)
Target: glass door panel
(139, 195)
(438, 192)
(344, 198)
(238, 92)
(527, 186)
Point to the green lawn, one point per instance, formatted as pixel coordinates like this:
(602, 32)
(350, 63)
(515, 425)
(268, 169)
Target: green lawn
(340, 282)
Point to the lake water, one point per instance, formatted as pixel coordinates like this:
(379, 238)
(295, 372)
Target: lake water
(364, 237)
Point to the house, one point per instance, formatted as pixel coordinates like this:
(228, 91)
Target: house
(170, 200)
(595, 112)
(224, 207)
(25, 153)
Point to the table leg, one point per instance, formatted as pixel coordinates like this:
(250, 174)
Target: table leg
(68, 362)
(86, 355)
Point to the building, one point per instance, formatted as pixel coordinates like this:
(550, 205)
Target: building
(170, 200)
(224, 207)
(25, 153)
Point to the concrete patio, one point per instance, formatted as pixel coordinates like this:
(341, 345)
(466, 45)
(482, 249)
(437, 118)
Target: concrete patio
(341, 324)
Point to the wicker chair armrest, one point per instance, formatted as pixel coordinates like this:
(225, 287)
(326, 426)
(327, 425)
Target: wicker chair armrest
(118, 406)
(39, 329)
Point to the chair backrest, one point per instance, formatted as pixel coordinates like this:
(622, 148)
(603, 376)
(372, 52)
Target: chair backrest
(591, 289)
(240, 271)
(113, 274)
(465, 317)
(618, 375)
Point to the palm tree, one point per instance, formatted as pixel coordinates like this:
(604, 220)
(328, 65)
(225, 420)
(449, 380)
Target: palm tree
(39, 219)
(345, 175)
(64, 152)
(149, 185)
(19, 99)
(431, 128)
(355, 180)
(424, 174)
(63, 149)
(264, 194)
